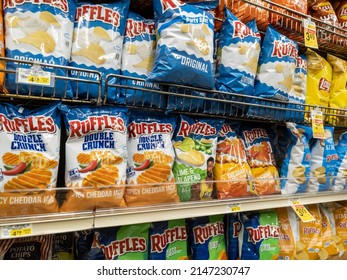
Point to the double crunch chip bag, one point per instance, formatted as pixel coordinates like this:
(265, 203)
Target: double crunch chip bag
(207, 238)
(96, 157)
(340, 182)
(184, 52)
(118, 243)
(324, 160)
(261, 159)
(29, 159)
(231, 170)
(137, 62)
(195, 148)
(168, 240)
(150, 160)
(277, 63)
(97, 45)
(259, 235)
(295, 169)
(238, 54)
(39, 31)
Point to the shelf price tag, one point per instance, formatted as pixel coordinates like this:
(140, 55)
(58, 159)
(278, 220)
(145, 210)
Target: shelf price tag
(301, 211)
(16, 230)
(310, 34)
(34, 76)
(317, 124)
(234, 208)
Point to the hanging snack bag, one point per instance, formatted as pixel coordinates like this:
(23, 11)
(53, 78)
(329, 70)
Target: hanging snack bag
(168, 240)
(238, 53)
(97, 45)
(259, 235)
(184, 52)
(26, 248)
(324, 160)
(96, 156)
(338, 90)
(324, 11)
(63, 246)
(29, 158)
(233, 226)
(261, 159)
(287, 227)
(295, 169)
(340, 182)
(207, 239)
(39, 31)
(150, 160)
(276, 69)
(195, 148)
(137, 62)
(341, 13)
(231, 170)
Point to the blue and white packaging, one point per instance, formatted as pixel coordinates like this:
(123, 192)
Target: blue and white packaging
(39, 31)
(340, 182)
(295, 169)
(238, 54)
(277, 64)
(185, 43)
(188, 103)
(97, 45)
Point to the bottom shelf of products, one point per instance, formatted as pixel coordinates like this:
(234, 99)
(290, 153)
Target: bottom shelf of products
(271, 234)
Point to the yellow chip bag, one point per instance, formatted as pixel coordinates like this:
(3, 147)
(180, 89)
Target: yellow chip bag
(286, 243)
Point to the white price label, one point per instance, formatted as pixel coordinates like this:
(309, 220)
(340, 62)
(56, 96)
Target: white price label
(234, 208)
(16, 231)
(34, 76)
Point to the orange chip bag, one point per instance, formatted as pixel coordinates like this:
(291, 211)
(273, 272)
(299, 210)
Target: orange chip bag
(287, 224)
(341, 13)
(324, 11)
(340, 218)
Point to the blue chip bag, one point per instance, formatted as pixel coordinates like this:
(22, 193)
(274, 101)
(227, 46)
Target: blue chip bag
(184, 52)
(277, 63)
(187, 104)
(340, 182)
(233, 225)
(259, 235)
(295, 168)
(137, 62)
(39, 31)
(238, 53)
(97, 44)
(207, 239)
(324, 160)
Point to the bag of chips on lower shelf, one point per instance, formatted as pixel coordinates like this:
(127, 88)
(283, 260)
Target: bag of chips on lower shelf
(287, 227)
(340, 182)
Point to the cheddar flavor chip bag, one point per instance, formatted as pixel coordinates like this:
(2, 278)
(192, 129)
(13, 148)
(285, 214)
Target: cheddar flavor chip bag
(96, 157)
(29, 159)
(287, 227)
(168, 240)
(340, 182)
(150, 159)
(39, 31)
(207, 239)
(195, 148)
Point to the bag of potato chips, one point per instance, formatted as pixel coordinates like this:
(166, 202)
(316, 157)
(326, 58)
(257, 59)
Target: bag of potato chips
(340, 182)
(233, 226)
(63, 246)
(340, 218)
(287, 227)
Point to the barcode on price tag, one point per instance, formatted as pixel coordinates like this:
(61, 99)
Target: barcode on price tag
(16, 231)
(301, 211)
(234, 208)
(35, 76)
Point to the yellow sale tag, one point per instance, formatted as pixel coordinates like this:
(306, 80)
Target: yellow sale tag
(310, 34)
(317, 124)
(301, 211)
(233, 208)
(16, 231)
(20, 232)
(45, 81)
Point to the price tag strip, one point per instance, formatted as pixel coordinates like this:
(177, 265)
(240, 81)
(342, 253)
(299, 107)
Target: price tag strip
(310, 34)
(234, 208)
(301, 211)
(317, 124)
(34, 76)
(16, 231)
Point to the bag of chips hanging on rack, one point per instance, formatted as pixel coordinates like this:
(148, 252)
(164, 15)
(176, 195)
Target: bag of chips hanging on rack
(150, 160)
(295, 169)
(137, 62)
(41, 32)
(97, 45)
(96, 157)
(29, 158)
(287, 227)
(259, 235)
(184, 53)
(341, 13)
(324, 160)
(261, 159)
(340, 182)
(338, 91)
(207, 238)
(195, 144)
(168, 240)
(231, 170)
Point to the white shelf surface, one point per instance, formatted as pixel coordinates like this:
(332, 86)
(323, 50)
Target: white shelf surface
(67, 222)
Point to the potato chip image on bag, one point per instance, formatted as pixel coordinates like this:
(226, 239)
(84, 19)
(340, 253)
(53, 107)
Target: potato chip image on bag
(97, 45)
(195, 144)
(287, 227)
(324, 160)
(40, 32)
(29, 158)
(340, 182)
(340, 218)
(150, 160)
(96, 156)
(295, 169)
